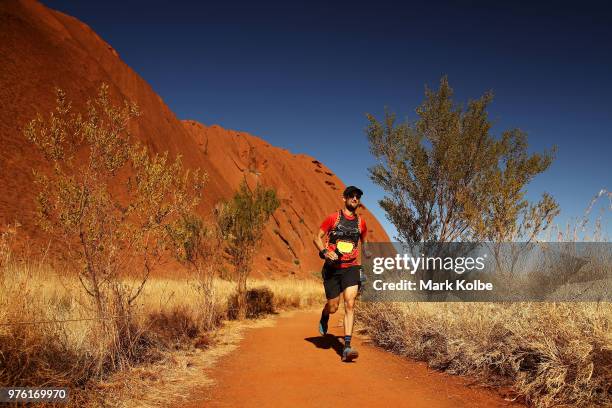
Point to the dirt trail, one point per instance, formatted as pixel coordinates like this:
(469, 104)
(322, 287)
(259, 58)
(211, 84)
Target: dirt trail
(289, 364)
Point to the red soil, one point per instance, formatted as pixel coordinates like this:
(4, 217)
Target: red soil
(291, 365)
(41, 49)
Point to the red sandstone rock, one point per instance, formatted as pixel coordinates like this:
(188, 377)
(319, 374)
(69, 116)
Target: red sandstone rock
(41, 49)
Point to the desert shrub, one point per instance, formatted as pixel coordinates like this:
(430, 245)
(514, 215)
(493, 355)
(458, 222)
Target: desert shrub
(173, 327)
(241, 222)
(112, 203)
(259, 302)
(196, 245)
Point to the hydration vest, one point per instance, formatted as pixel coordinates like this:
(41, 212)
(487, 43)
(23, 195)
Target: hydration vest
(344, 237)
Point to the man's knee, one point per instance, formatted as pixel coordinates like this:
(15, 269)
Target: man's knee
(332, 306)
(349, 304)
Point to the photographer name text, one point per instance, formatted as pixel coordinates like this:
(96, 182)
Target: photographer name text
(456, 285)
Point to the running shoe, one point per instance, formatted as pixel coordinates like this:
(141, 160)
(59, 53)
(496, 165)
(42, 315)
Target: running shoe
(349, 354)
(323, 326)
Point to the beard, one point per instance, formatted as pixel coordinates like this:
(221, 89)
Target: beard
(350, 206)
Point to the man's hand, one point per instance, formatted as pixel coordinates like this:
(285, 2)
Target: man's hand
(365, 252)
(331, 255)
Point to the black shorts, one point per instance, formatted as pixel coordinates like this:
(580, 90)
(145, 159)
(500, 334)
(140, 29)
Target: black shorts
(335, 280)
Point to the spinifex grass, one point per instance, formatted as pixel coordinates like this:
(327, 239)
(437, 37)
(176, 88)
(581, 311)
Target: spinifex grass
(549, 353)
(55, 339)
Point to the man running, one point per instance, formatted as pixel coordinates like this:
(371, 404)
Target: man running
(341, 270)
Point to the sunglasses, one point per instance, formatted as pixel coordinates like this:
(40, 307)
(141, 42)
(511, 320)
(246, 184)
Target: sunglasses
(357, 196)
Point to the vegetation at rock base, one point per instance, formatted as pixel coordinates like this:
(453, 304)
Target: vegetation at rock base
(111, 201)
(242, 221)
(115, 210)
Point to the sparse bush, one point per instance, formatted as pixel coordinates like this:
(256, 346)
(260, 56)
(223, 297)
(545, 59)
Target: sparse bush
(241, 222)
(197, 246)
(110, 201)
(173, 327)
(259, 302)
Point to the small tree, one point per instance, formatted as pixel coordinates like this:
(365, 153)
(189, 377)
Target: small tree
(448, 179)
(242, 221)
(111, 198)
(197, 246)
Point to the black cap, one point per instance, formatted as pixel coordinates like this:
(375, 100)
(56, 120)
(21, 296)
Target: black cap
(350, 190)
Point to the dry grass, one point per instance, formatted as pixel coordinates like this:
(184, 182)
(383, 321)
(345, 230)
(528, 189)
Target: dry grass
(551, 354)
(548, 354)
(178, 378)
(171, 323)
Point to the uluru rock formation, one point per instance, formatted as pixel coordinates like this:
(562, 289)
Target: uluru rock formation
(42, 49)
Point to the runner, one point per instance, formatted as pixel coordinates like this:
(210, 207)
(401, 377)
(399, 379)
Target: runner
(341, 270)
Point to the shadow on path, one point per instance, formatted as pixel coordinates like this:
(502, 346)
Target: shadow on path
(329, 341)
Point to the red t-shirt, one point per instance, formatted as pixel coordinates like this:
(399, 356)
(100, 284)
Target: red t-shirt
(328, 224)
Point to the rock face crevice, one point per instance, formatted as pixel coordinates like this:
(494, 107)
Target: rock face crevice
(289, 247)
(41, 49)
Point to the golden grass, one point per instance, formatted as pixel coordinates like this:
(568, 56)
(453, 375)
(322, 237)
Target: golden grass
(178, 378)
(550, 354)
(171, 323)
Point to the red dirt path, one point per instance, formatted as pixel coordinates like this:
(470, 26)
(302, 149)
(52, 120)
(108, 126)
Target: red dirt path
(289, 364)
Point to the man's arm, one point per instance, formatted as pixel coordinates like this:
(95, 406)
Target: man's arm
(364, 247)
(364, 241)
(318, 241)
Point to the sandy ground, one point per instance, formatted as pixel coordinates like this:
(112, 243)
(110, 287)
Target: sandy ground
(290, 364)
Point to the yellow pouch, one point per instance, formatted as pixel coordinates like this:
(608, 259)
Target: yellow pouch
(344, 247)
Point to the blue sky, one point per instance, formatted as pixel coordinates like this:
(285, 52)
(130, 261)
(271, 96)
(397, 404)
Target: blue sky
(303, 75)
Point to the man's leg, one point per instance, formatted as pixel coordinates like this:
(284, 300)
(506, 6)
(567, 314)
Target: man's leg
(330, 307)
(332, 282)
(349, 295)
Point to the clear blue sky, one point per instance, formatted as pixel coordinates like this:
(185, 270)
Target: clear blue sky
(303, 75)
